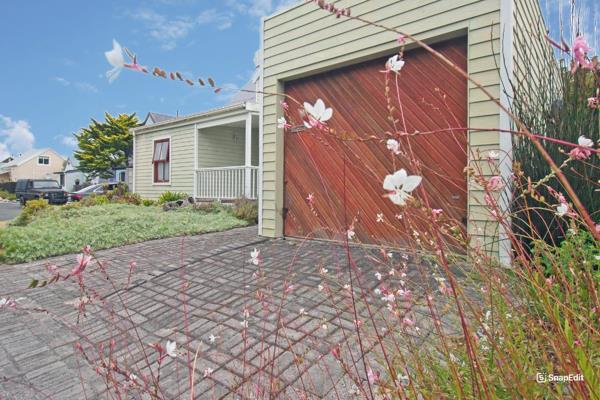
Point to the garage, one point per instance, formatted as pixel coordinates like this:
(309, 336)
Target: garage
(343, 172)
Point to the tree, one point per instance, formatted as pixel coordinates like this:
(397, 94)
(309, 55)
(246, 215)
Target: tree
(104, 146)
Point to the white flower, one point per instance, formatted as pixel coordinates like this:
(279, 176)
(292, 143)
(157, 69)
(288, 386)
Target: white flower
(244, 323)
(324, 327)
(115, 58)
(393, 146)
(562, 209)
(320, 288)
(171, 348)
(302, 311)
(585, 142)
(212, 338)
(255, 257)
(318, 113)
(281, 122)
(350, 233)
(597, 258)
(207, 372)
(377, 291)
(380, 217)
(400, 184)
(395, 63)
(494, 155)
(378, 276)
(324, 271)
(347, 286)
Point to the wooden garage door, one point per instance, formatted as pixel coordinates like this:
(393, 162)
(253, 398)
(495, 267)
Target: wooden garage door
(345, 176)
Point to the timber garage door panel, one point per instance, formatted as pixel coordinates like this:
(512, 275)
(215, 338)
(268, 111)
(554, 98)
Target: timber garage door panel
(346, 176)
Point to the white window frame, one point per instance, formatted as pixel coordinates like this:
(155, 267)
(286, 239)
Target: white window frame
(45, 158)
(158, 139)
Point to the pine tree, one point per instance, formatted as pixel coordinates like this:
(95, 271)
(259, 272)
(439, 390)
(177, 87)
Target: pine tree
(104, 146)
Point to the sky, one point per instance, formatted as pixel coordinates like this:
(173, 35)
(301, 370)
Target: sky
(53, 69)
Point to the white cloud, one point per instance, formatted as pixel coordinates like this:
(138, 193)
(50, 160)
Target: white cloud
(15, 136)
(81, 86)
(86, 87)
(69, 141)
(259, 8)
(62, 81)
(169, 30)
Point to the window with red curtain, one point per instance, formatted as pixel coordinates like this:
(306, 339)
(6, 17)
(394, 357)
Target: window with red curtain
(161, 159)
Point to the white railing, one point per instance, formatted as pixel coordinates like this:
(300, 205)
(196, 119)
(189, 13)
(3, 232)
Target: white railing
(227, 183)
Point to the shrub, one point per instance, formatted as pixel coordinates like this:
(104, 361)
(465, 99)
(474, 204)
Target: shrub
(168, 196)
(246, 209)
(148, 202)
(6, 195)
(213, 207)
(31, 209)
(95, 200)
(558, 110)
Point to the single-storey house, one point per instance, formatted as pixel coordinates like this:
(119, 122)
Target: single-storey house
(309, 54)
(34, 164)
(211, 155)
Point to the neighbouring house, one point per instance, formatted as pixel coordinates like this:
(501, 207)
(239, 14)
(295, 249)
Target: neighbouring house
(34, 164)
(308, 53)
(71, 178)
(211, 155)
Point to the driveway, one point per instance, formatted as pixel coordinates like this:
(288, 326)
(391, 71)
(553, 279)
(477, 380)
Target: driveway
(313, 311)
(9, 210)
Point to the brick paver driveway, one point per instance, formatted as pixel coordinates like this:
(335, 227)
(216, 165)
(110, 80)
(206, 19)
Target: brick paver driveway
(313, 310)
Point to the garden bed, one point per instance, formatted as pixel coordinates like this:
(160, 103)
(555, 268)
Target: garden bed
(64, 230)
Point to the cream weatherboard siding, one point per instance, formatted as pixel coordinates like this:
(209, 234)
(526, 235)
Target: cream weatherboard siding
(31, 169)
(304, 40)
(225, 147)
(181, 158)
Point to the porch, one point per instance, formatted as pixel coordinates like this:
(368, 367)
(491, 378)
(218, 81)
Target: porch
(227, 158)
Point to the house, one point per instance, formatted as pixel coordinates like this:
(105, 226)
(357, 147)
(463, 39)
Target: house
(71, 178)
(211, 155)
(34, 164)
(308, 53)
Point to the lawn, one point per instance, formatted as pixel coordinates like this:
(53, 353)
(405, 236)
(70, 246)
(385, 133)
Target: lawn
(66, 230)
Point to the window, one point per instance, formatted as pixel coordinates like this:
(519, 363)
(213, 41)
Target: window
(161, 161)
(121, 176)
(43, 160)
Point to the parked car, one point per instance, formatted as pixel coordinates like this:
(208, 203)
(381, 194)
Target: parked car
(92, 189)
(33, 189)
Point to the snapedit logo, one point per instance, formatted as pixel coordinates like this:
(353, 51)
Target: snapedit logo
(543, 377)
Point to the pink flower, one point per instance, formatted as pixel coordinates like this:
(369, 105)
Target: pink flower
(207, 372)
(285, 105)
(310, 199)
(408, 322)
(82, 262)
(594, 102)
(598, 228)
(495, 184)
(436, 212)
(583, 151)
(372, 376)
(401, 39)
(255, 257)
(580, 50)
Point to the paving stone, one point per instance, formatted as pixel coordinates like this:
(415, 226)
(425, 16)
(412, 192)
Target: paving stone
(39, 351)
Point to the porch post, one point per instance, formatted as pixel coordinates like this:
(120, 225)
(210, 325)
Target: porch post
(248, 158)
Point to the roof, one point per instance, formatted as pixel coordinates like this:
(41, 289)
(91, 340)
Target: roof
(155, 118)
(23, 158)
(215, 112)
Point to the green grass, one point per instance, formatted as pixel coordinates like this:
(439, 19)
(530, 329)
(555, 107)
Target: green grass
(66, 230)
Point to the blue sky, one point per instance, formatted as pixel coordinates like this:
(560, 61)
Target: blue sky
(52, 71)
